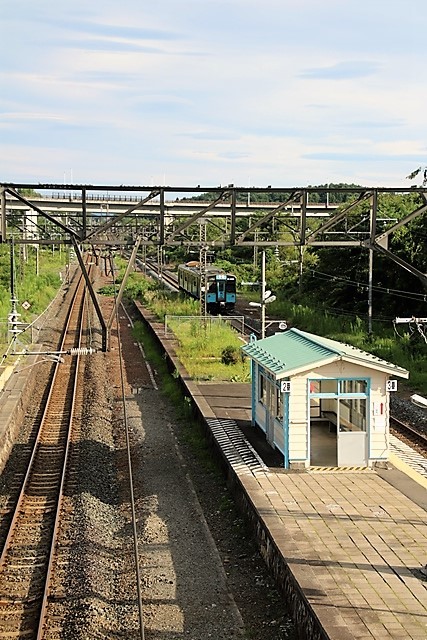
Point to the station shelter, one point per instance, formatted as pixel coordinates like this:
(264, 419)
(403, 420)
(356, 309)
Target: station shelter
(320, 402)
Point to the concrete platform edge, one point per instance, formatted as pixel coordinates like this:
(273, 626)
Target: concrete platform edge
(402, 466)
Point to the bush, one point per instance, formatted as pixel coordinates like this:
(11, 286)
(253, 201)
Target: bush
(230, 355)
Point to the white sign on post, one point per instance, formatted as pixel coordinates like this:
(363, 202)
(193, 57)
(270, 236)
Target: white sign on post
(285, 386)
(391, 385)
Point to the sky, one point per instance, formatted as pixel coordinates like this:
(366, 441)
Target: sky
(213, 92)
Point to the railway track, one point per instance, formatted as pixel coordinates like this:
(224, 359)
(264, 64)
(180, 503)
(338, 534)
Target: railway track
(409, 435)
(152, 268)
(28, 553)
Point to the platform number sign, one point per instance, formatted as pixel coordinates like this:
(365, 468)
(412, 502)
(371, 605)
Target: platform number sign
(285, 386)
(391, 385)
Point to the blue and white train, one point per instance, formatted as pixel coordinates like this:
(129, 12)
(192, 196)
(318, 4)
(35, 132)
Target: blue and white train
(220, 286)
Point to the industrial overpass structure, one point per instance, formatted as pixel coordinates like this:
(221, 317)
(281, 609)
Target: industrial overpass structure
(101, 217)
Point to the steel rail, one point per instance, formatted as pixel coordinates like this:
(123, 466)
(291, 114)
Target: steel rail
(130, 471)
(39, 498)
(412, 435)
(47, 590)
(250, 327)
(163, 276)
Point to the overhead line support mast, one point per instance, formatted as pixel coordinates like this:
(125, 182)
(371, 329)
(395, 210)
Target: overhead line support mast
(301, 217)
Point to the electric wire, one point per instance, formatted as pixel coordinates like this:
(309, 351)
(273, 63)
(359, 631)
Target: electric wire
(345, 313)
(388, 290)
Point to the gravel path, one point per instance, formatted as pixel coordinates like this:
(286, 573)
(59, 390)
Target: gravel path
(186, 589)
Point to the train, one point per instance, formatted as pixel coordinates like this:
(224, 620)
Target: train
(220, 286)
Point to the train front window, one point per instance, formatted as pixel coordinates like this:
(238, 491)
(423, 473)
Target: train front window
(230, 286)
(221, 290)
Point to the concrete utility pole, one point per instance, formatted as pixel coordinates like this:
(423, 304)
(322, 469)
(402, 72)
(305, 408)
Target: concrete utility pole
(263, 295)
(14, 315)
(372, 232)
(202, 268)
(266, 298)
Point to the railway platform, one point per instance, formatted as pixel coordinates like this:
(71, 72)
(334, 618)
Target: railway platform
(347, 546)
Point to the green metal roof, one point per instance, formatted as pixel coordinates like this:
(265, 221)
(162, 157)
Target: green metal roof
(297, 351)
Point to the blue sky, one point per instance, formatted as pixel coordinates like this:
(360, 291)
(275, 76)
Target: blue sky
(250, 92)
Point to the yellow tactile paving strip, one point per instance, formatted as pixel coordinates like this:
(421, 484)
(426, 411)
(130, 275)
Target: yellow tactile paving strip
(338, 469)
(364, 543)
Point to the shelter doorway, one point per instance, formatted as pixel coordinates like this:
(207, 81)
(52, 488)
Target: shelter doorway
(338, 422)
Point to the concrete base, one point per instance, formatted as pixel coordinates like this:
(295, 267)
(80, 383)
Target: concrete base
(297, 466)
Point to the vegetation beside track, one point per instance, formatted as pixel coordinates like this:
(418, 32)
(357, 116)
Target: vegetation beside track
(37, 289)
(407, 351)
(202, 352)
(208, 350)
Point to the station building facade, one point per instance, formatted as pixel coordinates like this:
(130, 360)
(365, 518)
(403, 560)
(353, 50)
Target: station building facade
(321, 402)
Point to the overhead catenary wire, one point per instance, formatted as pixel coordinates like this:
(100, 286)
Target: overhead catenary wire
(363, 285)
(345, 313)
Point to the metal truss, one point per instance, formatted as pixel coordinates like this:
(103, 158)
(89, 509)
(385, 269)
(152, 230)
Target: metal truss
(105, 216)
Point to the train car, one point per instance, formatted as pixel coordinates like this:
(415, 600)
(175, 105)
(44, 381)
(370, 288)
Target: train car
(220, 286)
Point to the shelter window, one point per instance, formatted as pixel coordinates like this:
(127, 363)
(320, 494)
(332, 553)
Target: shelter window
(262, 396)
(353, 412)
(328, 386)
(353, 386)
(279, 404)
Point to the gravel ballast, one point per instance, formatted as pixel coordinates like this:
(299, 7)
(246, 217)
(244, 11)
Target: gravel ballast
(201, 575)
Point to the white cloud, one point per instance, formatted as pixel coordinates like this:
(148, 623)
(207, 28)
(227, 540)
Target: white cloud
(284, 91)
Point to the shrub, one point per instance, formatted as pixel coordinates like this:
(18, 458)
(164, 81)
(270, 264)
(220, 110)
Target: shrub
(230, 355)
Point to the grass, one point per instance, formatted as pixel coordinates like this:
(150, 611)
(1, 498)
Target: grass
(201, 348)
(191, 431)
(201, 344)
(38, 290)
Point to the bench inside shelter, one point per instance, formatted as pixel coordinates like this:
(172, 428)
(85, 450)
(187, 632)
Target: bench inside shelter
(332, 418)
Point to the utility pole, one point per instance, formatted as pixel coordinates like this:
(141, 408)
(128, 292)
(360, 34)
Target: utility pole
(266, 298)
(202, 267)
(372, 231)
(14, 315)
(160, 262)
(262, 295)
(256, 250)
